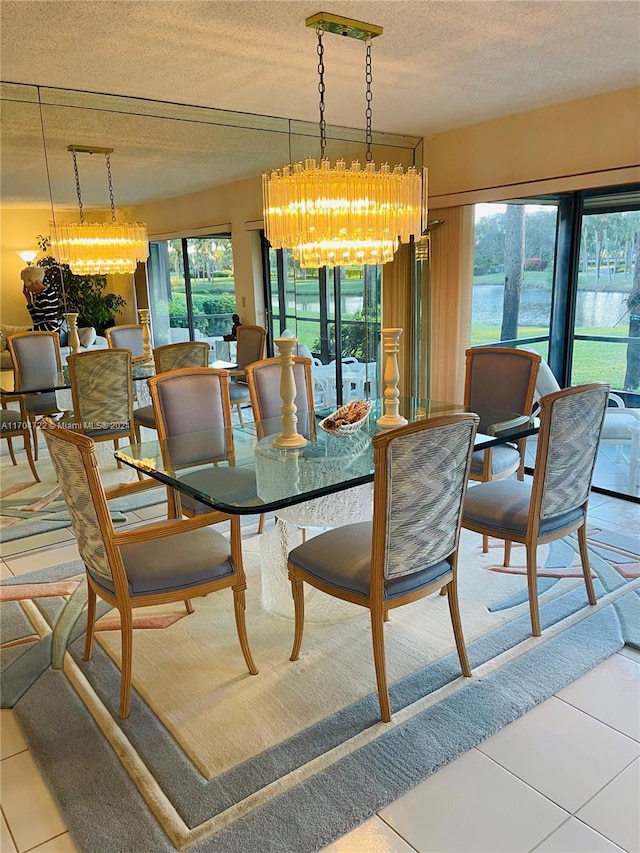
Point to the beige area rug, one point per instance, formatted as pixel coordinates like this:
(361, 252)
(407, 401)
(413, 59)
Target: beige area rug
(193, 676)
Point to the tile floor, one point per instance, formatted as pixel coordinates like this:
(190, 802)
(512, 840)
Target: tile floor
(565, 778)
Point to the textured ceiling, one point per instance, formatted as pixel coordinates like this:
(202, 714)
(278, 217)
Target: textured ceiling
(438, 65)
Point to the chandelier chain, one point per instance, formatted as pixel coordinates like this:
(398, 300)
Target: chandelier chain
(321, 91)
(78, 193)
(369, 96)
(110, 182)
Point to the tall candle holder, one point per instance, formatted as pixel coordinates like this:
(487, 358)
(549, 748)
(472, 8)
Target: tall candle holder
(290, 437)
(72, 323)
(144, 315)
(391, 417)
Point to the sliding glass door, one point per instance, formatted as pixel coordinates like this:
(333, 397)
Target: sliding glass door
(561, 275)
(191, 289)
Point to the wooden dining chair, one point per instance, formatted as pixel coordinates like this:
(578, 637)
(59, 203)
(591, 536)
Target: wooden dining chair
(503, 380)
(127, 336)
(171, 357)
(250, 342)
(193, 417)
(156, 564)
(14, 424)
(555, 503)
(102, 394)
(36, 359)
(410, 549)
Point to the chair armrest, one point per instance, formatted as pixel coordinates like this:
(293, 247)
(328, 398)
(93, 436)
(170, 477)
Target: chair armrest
(163, 528)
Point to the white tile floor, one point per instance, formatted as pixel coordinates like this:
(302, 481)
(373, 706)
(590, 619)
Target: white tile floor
(565, 778)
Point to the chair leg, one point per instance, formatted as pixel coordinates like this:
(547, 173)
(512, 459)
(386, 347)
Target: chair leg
(239, 408)
(485, 543)
(377, 634)
(11, 453)
(297, 589)
(586, 568)
(261, 523)
(241, 626)
(188, 606)
(532, 583)
(126, 632)
(116, 445)
(35, 439)
(454, 610)
(507, 552)
(386, 616)
(27, 450)
(91, 621)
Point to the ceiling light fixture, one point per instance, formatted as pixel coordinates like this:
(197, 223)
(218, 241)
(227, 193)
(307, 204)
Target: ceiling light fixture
(337, 216)
(98, 248)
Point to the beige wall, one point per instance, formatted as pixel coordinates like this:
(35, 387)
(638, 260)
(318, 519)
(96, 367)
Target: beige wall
(233, 205)
(587, 143)
(19, 229)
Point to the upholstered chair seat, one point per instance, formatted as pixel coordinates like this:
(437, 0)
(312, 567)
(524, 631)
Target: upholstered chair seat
(503, 506)
(503, 458)
(352, 571)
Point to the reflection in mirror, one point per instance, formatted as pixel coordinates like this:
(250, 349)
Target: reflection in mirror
(185, 171)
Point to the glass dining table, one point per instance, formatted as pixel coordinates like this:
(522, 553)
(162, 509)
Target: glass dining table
(239, 471)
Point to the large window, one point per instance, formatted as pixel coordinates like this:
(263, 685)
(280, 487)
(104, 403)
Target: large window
(191, 289)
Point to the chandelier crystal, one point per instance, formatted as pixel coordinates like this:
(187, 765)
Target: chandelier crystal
(98, 248)
(334, 216)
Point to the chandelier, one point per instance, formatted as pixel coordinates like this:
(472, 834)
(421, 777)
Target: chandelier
(334, 216)
(98, 248)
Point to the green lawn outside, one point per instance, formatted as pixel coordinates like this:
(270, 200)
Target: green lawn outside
(593, 361)
(543, 279)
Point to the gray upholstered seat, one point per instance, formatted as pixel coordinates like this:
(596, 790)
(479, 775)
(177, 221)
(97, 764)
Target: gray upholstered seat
(410, 549)
(503, 457)
(555, 504)
(157, 564)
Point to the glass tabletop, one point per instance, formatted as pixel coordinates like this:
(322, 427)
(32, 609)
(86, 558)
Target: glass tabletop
(240, 471)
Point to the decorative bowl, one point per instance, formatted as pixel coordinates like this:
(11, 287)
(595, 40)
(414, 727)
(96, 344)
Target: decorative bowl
(348, 419)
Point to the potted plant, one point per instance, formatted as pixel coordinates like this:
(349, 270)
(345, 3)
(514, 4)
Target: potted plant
(83, 294)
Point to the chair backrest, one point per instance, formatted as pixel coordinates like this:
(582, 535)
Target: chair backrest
(420, 481)
(570, 428)
(184, 354)
(501, 379)
(74, 460)
(250, 342)
(192, 400)
(263, 379)
(101, 387)
(36, 358)
(126, 337)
